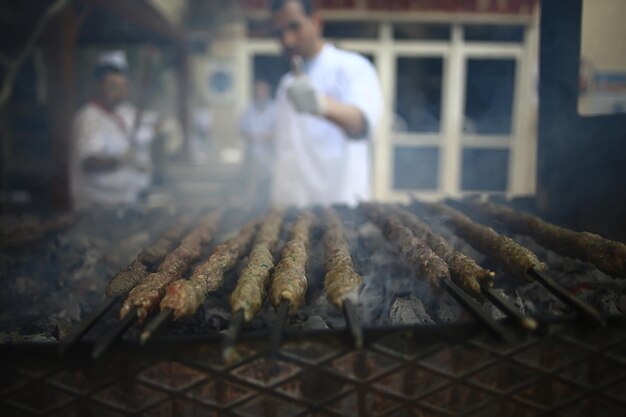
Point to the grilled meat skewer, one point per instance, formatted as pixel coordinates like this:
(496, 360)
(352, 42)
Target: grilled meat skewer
(513, 258)
(428, 265)
(341, 281)
(431, 266)
(463, 269)
(184, 297)
(126, 279)
(250, 291)
(152, 255)
(289, 280)
(607, 255)
(146, 295)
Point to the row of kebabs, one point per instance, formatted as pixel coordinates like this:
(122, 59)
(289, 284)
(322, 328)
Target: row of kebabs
(166, 288)
(432, 257)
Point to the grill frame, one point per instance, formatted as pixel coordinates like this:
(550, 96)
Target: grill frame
(451, 359)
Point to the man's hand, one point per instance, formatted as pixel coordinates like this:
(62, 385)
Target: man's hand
(309, 100)
(305, 97)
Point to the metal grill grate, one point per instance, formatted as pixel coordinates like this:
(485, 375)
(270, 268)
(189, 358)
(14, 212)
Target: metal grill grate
(443, 371)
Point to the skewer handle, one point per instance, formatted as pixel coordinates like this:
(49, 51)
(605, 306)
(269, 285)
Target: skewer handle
(583, 309)
(354, 324)
(527, 323)
(230, 337)
(87, 324)
(115, 334)
(164, 316)
(276, 336)
(476, 310)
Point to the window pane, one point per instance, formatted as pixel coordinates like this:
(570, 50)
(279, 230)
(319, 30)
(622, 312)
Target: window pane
(415, 168)
(494, 33)
(489, 96)
(351, 30)
(421, 31)
(485, 169)
(418, 94)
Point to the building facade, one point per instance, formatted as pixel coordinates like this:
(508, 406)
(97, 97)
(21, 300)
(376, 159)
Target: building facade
(459, 80)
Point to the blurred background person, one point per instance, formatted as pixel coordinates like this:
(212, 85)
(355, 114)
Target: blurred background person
(327, 114)
(111, 163)
(257, 126)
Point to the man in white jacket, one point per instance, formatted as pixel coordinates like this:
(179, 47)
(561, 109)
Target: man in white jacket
(110, 163)
(326, 115)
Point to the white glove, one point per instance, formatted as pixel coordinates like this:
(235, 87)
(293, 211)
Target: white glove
(305, 97)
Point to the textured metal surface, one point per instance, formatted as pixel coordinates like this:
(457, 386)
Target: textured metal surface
(443, 371)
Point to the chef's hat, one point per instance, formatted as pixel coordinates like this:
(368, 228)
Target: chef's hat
(115, 59)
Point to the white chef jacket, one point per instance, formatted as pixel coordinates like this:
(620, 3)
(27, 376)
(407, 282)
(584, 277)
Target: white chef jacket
(98, 132)
(316, 162)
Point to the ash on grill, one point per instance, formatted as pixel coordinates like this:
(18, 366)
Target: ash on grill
(51, 283)
(63, 277)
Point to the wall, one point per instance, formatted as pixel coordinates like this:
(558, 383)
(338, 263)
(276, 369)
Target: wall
(582, 160)
(604, 33)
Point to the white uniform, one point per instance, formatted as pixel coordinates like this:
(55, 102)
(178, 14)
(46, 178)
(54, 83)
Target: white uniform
(316, 162)
(100, 133)
(257, 123)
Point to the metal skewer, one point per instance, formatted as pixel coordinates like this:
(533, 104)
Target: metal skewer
(354, 323)
(230, 337)
(476, 310)
(583, 309)
(120, 328)
(526, 322)
(276, 337)
(164, 316)
(87, 324)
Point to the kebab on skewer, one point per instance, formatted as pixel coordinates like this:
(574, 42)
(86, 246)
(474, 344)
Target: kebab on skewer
(607, 255)
(463, 269)
(153, 254)
(250, 291)
(146, 296)
(428, 264)
(289, 282)
(341, 281)
(126, 279)
(184, 297)
(247, 297)
(513, 258)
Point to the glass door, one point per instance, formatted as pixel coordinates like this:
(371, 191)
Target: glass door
(417, 122)
(488, 123)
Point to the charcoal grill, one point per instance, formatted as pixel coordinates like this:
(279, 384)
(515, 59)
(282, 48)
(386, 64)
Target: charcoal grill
(567, 368)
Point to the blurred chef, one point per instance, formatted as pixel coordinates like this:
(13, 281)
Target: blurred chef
(257, 126)
(111, 163)
(326, 115)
